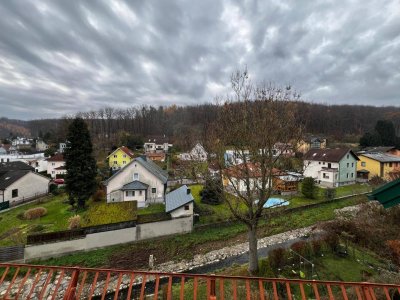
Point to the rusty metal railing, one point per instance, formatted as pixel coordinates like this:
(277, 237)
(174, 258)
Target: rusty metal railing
(20, 281)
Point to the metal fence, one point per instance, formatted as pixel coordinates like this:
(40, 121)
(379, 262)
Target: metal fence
(12, 253)
(29, 199)
(4, 205)
(46, 282)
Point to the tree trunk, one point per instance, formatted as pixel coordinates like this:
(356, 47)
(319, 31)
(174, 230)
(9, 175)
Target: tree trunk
(253, 255)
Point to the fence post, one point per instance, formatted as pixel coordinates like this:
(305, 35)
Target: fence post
(213, 296)
(70, 293)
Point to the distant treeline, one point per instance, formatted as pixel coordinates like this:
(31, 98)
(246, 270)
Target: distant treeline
(186, 124)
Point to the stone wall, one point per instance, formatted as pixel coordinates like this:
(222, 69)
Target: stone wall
(109, 238)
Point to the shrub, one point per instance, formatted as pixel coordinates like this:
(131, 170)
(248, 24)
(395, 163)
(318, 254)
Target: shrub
(53, 188)
(332, 241)
(308, 187)
(37, 228)
(277, 258)
(212, 192)
(330, 194)
(99, 195)
(317, 246)
(74, 222)
(35, 213)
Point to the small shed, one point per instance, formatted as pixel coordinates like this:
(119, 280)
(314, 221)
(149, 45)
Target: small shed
(388, 195)
(179, 202)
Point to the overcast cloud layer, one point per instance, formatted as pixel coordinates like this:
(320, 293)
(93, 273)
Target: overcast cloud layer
(60, 57)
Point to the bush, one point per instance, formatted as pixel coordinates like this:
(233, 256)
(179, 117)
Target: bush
(74, 222)
(277, 258)
(37, 228)
(35, 213)
(308, 188)
(330, 194)
(99, 195)
(53, 188)
(212, 192)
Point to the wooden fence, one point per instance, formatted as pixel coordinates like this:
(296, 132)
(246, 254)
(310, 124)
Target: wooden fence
(11, 253)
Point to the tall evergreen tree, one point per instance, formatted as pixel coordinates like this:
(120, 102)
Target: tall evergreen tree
(80, 163)
(386, 131)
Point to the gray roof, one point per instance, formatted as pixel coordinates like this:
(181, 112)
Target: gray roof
(149, 165)
(382, 157)
(15, 166)
(135, 185)
(177, 198)
(379, 149)
(9, 177)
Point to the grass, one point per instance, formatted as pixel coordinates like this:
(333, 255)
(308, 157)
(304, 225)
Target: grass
(99, 213)
(152, 209)
(200, 241)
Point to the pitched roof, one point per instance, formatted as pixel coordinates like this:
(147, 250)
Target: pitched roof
(124, 149)
(15, 166)
(382, 157)
(379, 149)
(157, 139)
(56, 157)
(9, 177)
(178, 198)
(135, 185)
(388, 195)
(329, 155)
(148, 164)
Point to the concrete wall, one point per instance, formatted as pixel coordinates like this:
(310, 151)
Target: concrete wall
(109, 238)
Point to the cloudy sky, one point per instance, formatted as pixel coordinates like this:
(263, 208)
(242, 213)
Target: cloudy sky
(60, 57)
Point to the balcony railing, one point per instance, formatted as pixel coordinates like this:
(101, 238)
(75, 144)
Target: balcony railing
(20, 281)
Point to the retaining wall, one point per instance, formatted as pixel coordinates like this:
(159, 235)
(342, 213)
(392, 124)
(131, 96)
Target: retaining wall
(108, 238)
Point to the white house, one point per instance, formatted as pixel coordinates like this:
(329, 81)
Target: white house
(236, 157)
(40, 164)
(56, 165)
(22, 143)
(41, 145)
(331, 167)
(159, 144)
(61, 147)
(198, 153)
(180, 202)
(141, 180)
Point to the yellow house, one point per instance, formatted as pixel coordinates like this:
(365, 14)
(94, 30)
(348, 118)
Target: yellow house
(120, 157)
(377, 164)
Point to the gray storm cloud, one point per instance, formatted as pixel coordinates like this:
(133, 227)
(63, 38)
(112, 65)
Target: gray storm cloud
(59, 57)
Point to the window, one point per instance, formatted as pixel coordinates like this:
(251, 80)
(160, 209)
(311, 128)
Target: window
(154, 190)
(14, 193)
(124, 162)
(352, 164)
(115, 162)
(124, 156)
(115, 156)
(319, 162)
(323, 163)
(348, 156)
(53, 164)
(135, 176)
(325, 175)
(363, 164)
(352, 175)
(348, 164)
(347, 175)
(390, 165)
(186, 207)
(127, 193)
(52, 172)
(140, 193)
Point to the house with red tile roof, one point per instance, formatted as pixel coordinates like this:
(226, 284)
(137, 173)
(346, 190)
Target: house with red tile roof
(120, 158)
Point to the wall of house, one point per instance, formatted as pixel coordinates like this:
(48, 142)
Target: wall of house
(330, 179)
(51, 165)
(373, 166)
(30, 185)
(109, 238)
(312, 168)
(120, 157)
(181, 212)
(145, 176)
(348, 170)
(140, 198)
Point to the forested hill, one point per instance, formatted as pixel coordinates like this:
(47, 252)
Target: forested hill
(188, 121)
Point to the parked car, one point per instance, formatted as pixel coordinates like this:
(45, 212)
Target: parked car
(59, 181)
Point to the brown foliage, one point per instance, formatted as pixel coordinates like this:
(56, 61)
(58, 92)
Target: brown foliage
(74, 222)
(35, 213)
(99, 195)
(394, 247)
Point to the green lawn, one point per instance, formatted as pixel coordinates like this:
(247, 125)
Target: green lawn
(199, 241)
(57, 217)
(217, 213)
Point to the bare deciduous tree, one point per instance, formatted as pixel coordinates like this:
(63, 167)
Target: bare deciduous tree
(251, 123)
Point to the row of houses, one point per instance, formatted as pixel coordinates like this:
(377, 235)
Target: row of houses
(336, 167)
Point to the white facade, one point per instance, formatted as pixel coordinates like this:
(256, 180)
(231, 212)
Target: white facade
(183, 211)
(153, 146)
(52, 168)
(61, 147)
(41, 146)
(29, 186)
(197, 153)
(137, 195)
(324, 173)
(135, 171)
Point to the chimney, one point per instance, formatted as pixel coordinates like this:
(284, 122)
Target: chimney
(188, 191)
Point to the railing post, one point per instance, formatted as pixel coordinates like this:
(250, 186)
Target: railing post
(70, 293)
(213, 296)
